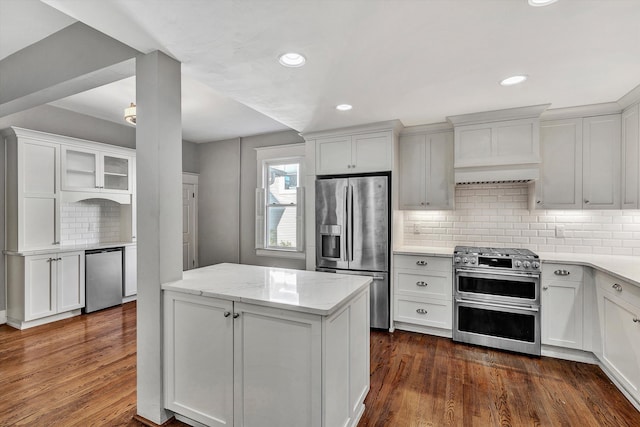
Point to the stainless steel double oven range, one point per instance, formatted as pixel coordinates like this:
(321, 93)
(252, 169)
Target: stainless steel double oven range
(497, 298)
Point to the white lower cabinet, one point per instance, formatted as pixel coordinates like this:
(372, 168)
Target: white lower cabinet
(422, 297)
(44, 286)
(130, 271)
(619, 314)
(236, 364)
(562, 306)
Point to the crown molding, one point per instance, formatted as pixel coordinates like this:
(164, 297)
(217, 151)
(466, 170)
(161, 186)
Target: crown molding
(430, 128)
(529, 112)
(630, 98)
(581, 111)
(393, 125)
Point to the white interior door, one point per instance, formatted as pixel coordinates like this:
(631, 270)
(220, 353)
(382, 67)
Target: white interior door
(189, 222)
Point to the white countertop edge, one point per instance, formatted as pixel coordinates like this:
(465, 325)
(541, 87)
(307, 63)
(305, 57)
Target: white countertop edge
(323, 309)
(624, 267)
(71, 248)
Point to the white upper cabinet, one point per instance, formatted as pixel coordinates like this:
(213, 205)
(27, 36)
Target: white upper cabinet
(580, 163)
(369, 152)
(630, 157)
(95, 171)
(426, 171)
(32, 200)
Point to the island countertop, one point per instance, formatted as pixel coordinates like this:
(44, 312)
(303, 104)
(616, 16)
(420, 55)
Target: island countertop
(297, 290)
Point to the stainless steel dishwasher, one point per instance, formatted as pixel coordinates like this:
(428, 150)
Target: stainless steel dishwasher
(103, 278)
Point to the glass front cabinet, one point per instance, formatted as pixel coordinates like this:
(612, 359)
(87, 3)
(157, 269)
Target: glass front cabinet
(87, 170)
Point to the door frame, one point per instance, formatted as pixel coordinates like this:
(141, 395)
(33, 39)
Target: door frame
(192, 178)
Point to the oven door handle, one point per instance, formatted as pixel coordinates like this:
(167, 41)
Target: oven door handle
(497, 273)
(492, 304)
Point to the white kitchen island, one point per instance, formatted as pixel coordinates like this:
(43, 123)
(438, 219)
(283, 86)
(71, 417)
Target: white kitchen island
(270, 347)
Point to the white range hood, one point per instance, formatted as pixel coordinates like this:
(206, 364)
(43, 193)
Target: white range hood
(497, 146)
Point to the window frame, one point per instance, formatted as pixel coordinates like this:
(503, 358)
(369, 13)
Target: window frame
(270, 156)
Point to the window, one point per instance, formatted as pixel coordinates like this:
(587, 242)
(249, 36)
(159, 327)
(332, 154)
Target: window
(280, 201)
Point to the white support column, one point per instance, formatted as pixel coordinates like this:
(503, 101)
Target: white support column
(159, 219)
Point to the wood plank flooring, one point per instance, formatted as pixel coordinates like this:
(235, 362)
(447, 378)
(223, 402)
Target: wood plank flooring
(82, 372)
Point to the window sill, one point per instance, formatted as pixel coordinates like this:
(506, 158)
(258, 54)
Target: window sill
(278, 253)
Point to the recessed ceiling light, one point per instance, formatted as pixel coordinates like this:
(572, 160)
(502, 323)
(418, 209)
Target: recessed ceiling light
(513, 80)
(538, 3)
(344, 107)
(292, 59)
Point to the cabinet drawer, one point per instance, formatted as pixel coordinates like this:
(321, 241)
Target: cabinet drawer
(423, 263)
(436, 284)
(570, 272)
(426, 312)
(623, 290)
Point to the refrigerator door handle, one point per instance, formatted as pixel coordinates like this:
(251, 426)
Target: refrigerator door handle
(349, 222)
(345, 253)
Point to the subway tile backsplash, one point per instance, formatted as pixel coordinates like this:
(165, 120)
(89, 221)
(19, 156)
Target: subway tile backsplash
(90, 222)
(497, 215)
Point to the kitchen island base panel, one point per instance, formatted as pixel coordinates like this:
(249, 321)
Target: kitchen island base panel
(246, 364)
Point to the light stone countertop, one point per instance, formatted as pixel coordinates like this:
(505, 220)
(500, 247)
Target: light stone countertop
(623, 267)
(72, 248)
(296, 290)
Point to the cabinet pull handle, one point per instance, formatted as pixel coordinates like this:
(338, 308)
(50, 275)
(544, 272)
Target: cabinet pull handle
(562, 273)
(586, 202)
(421, 262)
(58, 259)
(421, 311)
(227, 313)
(544, 288)
(236, 315)
(617, 287)
(421, 283)
(636, 320)
(538, 201)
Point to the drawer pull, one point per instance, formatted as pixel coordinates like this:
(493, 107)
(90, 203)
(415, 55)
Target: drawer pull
(544, 288)
(227, 313)
(636, 320)
(562, 272)
(421, 262)
(421, 283)
(617, 287)
(421, 311)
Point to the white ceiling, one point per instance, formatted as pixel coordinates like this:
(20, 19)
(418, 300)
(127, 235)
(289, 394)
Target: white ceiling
(414, 60)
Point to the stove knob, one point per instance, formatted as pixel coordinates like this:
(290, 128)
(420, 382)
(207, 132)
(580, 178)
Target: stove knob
(535, 264)
(473, 260)
(527, 264)
(465, 260)
(518, 263)
(456, 260)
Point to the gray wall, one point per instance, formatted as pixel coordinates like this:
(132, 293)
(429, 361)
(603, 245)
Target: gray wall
(219, 202)
(248, 183)
(190, 157)
(226, 211)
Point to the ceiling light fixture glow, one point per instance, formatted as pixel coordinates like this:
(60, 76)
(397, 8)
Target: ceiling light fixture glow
(539, 3)
(344, 107)
(130, 114)
(513, 80)
(292, 60)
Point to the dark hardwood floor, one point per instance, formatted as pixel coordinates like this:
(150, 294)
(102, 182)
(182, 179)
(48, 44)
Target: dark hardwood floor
(82, 372)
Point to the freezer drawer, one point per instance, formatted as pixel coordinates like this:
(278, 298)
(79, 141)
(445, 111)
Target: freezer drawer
(103, 279)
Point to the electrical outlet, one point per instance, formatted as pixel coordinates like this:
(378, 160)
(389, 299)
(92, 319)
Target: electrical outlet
(416, 228)
(559, 230)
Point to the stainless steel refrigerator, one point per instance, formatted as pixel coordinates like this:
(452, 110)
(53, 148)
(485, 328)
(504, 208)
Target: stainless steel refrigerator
(352, 234)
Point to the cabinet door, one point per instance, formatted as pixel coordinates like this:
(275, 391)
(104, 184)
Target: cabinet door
(80, 170)
(372, 152)
(38, 195)
(601, 174)
(130, 270)
(199, 358)
(630, 157)
(413, 172)
(439, 161)
(288, 392)
(562, 320)
(39, 286)
(621, 340)
(333, 155)
(70, 280)
(116, 173)
(560, 184)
